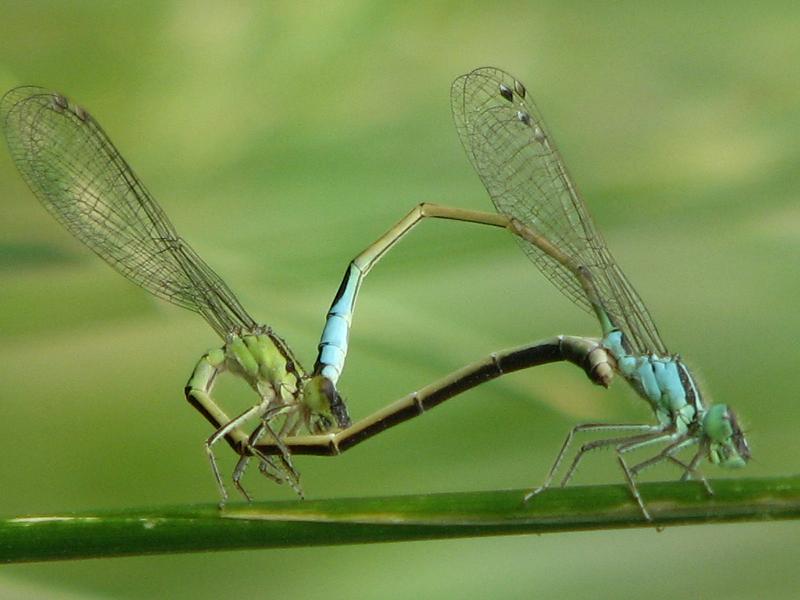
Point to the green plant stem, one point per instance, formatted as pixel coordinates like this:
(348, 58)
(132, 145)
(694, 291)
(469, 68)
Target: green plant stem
(387, 519)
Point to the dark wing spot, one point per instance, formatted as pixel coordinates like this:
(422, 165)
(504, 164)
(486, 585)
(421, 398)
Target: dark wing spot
(520, 89)
(81, 113)
(59, 102)
(524, 117)
(506, 92)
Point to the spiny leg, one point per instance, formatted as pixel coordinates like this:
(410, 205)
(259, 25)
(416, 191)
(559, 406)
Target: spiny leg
(654, 434)
(280, 474)
(630, 478)
(286, 473)
(623, 444)
(568, 442)
(667, 453)
(690, 472)
(198, 393)
(691, 469)
(667, 434)
(223, 431)
(634, 489)
(271, 470)
(632, 473)
(244, 459)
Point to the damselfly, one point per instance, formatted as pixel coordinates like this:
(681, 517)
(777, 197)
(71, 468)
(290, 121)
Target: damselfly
(512, 151)
(82, 180)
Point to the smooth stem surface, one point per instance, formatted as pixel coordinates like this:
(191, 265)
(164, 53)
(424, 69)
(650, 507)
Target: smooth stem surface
(201, 528)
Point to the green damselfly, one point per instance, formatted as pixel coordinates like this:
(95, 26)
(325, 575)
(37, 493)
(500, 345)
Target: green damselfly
(84, 182)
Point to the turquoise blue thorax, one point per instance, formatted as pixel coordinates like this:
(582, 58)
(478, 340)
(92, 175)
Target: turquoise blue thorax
(664, 381)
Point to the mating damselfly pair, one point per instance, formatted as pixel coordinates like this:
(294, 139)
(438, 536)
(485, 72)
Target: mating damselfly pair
(80, 177)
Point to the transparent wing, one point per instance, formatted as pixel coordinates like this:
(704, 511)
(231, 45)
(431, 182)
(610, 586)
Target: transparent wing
(80, 177)
(512, 151)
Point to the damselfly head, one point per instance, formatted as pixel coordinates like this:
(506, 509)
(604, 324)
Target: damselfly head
(727, 445)
(325, 408)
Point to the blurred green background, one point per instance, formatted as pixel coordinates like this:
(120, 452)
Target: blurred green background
(282, 138)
